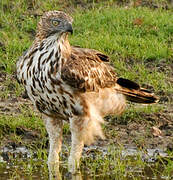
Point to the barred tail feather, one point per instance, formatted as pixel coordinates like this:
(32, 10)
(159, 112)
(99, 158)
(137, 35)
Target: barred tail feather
(134, 93)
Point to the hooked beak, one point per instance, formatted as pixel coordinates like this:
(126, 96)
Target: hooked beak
(68, 28)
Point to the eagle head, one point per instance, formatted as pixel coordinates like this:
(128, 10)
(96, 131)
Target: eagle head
(54, 23)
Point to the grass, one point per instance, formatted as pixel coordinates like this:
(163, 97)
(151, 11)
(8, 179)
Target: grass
(138, 40)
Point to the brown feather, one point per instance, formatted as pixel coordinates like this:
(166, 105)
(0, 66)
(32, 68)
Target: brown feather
(86, 70)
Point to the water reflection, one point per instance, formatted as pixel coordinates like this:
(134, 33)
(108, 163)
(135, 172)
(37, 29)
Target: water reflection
(21, 163)
(58, 176)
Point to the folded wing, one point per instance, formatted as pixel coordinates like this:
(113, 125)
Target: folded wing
(88, 70)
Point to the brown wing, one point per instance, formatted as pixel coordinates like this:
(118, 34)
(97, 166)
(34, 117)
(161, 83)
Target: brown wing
(88, 70)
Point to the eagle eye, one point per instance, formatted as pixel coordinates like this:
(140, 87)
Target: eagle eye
(55, 22)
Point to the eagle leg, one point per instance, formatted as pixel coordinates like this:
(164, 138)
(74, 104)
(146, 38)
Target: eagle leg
(54, 128)
(76, 147)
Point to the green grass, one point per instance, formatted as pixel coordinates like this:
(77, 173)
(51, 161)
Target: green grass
(137, 39)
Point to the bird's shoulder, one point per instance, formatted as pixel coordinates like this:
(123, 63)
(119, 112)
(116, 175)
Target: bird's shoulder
(88, 70)
(91, 54)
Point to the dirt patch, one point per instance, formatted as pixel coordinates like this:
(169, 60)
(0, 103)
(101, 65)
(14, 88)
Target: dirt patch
(12, 105)
(140, 132)
(127, 3)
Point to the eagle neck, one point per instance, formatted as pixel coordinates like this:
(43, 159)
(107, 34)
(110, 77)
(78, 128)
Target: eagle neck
(55, 50)
(64, 47)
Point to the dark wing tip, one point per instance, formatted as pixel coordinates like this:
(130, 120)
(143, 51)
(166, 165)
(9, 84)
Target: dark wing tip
(128, 84)
(103, 57)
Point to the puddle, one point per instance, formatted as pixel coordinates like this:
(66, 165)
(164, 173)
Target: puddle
(19, 152)
(149, 155)
(21, 163)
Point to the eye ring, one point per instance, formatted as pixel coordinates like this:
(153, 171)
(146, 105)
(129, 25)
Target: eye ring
(55, 22)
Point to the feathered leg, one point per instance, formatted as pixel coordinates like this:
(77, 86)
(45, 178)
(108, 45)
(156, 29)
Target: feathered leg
(54, 129)
(76, 147)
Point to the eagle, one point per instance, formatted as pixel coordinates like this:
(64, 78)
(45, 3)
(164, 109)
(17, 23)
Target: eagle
(73, 84)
